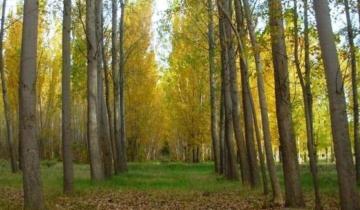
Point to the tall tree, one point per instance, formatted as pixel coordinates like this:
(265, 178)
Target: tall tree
(114, 65)
(259, 148)
(227, 57)
(355, 98)
(96, 164)
(305, 82)
(122, 80)
(212, 69)
(103, 129)
(33, 194)
(7, 109)
(66, 100)
(246, 95)
(115, 71)
(293, 192)
(118, 103)
(277, 196)
(349, 197)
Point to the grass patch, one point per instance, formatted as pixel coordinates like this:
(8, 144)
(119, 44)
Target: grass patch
(159, 177)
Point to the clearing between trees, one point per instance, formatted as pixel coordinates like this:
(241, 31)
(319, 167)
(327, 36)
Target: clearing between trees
(157, 185)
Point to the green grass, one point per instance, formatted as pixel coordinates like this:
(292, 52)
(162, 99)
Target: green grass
(157, 177)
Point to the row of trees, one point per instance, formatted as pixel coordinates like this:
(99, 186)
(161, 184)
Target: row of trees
(105, 134)
(234, 41)
(113, 72)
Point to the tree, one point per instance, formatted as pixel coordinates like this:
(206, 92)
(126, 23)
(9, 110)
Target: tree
(118, 105)
(30, 160)
(350, 36)
(104, 131)
(96, 164)
(293, 192)
(212, 47)
(115, 72)
(349, 198)
(66, 100)
(7, 109)
(277, 196)
(305, 82)
(259, 147)
(122, 134)
(228, 65)
(246, 98)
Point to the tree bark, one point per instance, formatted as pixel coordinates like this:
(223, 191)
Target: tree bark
(96, 164)
(227, 58)
(355, 98)
(248, 117)
(7, 110)
(259, 147)
(119, 105)
(349, 197)
(305, 83)
(33, 194)
(212, 69)
(276, 190)
(222, 128)
(66, 101)
(103, 128)
(115, 71)
(293, 192)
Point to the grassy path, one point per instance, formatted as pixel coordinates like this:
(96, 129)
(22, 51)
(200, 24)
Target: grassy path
(153, 186)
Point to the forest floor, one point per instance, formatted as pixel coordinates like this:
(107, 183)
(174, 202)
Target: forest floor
(156, 186)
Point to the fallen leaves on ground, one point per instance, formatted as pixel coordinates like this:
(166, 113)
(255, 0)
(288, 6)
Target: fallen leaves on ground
(157, 200)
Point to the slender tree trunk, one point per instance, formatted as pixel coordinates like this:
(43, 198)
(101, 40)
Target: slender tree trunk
(349, 197)
(103, 129)
(33, 194)
(119, 100)
(109, 118)
(115, 70)
(248, 117)
(239, 136)
(277, 196)
(352, 47)
(96, 164)
(293, 192)
(227, 58)
(259, 146)
(212, 68)
(7, 110)
(307, 96)
(222, 129)
(66, 101)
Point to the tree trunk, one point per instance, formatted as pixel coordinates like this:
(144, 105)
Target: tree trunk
(212, 68)
(96, 164)
(115, 71)
(259, 146)
(227, 58)
(293, 192)
(7, 110)
(33, 194)
(222, 129)
(120, 106)
(103, 128)
(248, 117)
(109, 118)
(349, 197)
(277, 196)
(352, 47)
(66, 101)
(307, 96)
